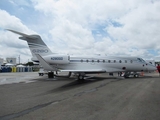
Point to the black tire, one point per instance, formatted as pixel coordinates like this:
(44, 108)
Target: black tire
(80, 77)
(136, 75)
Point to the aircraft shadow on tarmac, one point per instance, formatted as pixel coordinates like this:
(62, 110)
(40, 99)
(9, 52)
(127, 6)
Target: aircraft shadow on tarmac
(77, 83)
(89, 80)
(84, 82)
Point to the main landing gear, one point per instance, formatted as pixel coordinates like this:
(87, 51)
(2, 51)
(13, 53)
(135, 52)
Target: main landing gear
(81, 76)
(51, 74)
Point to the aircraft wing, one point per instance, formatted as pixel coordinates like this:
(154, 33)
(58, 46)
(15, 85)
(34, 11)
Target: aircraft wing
(108, 70)
(86, 71)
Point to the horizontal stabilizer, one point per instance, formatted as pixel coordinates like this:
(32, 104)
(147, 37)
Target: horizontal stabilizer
(24, 35)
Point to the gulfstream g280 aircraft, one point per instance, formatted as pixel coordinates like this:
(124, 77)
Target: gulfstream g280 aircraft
(81, 65)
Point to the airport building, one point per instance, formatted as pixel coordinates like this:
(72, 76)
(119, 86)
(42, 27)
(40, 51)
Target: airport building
(11, 60)
(10, 65)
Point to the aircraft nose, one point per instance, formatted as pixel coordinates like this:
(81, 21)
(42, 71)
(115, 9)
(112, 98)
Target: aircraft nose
(153, 68)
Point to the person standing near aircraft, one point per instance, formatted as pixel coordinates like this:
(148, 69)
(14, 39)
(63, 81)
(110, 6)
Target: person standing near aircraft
(158, 68)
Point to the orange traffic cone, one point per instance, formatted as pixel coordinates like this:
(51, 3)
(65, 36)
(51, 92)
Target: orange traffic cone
(142, 73)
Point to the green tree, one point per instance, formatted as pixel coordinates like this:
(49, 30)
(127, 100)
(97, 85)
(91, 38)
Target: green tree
(29, 63)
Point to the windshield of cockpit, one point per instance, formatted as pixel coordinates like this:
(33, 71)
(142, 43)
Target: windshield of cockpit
(140, 60)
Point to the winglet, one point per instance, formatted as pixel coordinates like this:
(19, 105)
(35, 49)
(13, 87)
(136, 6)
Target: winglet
(44, 64)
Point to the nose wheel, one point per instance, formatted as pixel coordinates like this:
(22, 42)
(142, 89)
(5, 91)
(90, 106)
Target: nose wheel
(136, 75)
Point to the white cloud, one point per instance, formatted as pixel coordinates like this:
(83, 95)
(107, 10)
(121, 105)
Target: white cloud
(141, 24)
(140, 28)
(20, 2)
(10, 45)
(70, 25)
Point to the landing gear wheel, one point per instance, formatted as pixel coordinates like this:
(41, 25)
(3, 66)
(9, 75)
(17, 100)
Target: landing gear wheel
(80, 77)
(136, 75)
(50, 74)
(41, 74)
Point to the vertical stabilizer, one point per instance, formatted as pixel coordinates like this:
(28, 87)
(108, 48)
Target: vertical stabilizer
(35, 43)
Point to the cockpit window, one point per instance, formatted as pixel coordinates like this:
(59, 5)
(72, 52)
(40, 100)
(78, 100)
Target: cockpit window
(140, 60)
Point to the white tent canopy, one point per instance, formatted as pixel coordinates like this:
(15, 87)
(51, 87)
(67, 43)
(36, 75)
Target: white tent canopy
(9, 64)
(20, 66)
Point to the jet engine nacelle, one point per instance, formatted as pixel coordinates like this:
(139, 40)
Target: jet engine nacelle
(57, 59)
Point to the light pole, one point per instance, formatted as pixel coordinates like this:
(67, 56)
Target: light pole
(19, 59)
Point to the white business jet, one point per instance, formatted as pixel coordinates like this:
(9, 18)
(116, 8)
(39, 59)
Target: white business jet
(81, 65)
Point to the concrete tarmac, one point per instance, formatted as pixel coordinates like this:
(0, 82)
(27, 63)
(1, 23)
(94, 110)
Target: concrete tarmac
(102, 97)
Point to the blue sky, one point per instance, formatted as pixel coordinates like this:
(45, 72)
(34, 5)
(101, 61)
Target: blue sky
(117, 27)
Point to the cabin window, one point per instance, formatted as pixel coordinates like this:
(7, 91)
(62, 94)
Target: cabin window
(104, 61)
(120, 61)
(98, 61)
(114, 61)
(139, 59)
(131, 61)
(125, 61)
(81, 60)
(109, 61)
(86, 60)
(92, 60)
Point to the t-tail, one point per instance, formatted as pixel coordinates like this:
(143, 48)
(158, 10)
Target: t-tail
(35, 43)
